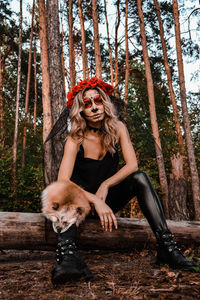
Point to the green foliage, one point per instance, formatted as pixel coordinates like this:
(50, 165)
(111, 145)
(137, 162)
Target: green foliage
(29, 179)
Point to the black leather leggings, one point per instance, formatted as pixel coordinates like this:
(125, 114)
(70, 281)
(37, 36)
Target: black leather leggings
(138, 184)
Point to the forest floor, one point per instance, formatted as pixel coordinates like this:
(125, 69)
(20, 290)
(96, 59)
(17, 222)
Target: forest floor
(25, 275)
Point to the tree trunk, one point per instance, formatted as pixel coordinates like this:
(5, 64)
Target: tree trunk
(109, 47)
(178, 191)
(17, 105)
(116, 46)
(71, 45)
(97, 51)
(35, 89)
(1, 106)
(152, 110)
(127, 55)
(28, 88)
(84, 51)
(56, 83)
(186, 120)
(169, 79)
(46, 101)
(62, 58)
(31, 231)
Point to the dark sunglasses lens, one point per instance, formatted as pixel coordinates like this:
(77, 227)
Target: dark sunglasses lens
(98, 100)
(87, 103)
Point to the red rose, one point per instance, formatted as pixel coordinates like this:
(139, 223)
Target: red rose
(92, 83)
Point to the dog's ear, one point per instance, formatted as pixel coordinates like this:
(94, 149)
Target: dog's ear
(79, 210)
(55, 206)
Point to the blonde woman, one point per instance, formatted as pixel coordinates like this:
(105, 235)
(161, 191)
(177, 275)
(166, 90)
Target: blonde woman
(91, 161)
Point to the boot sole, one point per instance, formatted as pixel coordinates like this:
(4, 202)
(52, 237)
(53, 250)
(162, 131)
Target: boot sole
(67, 277)
(175, 267)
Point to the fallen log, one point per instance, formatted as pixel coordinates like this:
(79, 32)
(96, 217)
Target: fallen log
(33, 231)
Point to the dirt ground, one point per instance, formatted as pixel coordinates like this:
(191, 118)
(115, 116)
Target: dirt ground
(25, 275)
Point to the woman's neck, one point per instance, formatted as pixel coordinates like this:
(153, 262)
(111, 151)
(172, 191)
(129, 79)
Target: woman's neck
(97, 125)
(92, 128)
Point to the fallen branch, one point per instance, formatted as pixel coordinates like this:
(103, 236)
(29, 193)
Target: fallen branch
(32, 231)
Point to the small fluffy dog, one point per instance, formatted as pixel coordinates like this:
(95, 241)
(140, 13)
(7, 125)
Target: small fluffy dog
(65, 203)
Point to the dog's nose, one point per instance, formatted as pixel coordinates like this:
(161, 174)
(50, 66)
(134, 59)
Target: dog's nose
(58, 229)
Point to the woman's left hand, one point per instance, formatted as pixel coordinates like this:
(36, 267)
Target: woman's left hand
(102, 192)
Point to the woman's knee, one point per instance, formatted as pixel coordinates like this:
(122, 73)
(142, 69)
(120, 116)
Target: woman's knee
(140, 177)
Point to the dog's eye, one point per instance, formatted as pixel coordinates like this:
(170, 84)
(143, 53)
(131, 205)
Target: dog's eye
(55, 206)
(79, 210)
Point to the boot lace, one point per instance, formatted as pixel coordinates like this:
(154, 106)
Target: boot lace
(64, 248)
(166, 240)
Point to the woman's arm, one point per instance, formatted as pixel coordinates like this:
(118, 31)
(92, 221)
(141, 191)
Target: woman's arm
(68, 160)
(129, 167)
(106, 215)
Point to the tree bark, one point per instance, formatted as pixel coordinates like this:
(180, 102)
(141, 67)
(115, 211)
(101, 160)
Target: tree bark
(116, 46)
(97, 51)
(7, 49)
(30, 231)
(186, 120)
(169, 79)
(178, 191)
(57, 92)
(14, 170)
(35, 89)
(84, 51)
(71, 45)
(109, 47)
(127, 55)
(152, 110)
(62, 58)
(28, 88)
(1, 105)
(46, 101)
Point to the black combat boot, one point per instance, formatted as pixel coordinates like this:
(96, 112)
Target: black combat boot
(168, 252)
(70, 265)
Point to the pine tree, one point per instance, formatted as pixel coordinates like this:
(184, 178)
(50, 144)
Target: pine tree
(17, 104)
(186, 120)
(152, 110)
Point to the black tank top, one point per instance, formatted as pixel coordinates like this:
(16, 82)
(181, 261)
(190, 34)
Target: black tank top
(89, 173)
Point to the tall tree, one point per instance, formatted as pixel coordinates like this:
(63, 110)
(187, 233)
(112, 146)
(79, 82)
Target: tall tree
(6, 50)
(71, 45)
(57, 92)
(1, 104)
(186, 120)
(28, 87)
(127, 54)
(17, 103)
(35, 87)
(46, 101)
(83, 39)
(116, 45)
(109, 46)
(169, 78)
(152, 110)
(97, 51)
(62, 56)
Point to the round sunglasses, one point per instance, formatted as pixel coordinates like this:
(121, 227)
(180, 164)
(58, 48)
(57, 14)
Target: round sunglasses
(87, 102)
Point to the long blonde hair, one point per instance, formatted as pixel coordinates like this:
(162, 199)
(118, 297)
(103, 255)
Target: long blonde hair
(109, 131)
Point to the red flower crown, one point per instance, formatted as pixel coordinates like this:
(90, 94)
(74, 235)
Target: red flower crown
(92, 83)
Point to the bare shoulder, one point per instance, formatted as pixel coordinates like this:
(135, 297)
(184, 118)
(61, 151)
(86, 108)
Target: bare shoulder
(122, 129)
(71, 143)
(71, 140)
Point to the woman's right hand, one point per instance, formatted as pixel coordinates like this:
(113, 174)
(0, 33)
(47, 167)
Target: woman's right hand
(106, 215)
